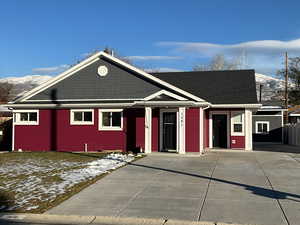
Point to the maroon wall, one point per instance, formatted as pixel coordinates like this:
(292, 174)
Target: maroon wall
(237, 142)
(55, 132)
(135, 129)
(34, 137)
(192, 130)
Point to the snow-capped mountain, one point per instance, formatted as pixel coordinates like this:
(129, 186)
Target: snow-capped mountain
(271, 86)
(32, 79)
(24, 84)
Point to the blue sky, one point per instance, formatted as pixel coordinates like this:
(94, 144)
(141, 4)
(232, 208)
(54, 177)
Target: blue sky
(43, 37)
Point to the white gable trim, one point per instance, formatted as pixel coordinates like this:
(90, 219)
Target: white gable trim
(93, 59)
(60, 77)
(149, 76)
(164, 92)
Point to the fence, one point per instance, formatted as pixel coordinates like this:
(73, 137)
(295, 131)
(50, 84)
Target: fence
(292, 134)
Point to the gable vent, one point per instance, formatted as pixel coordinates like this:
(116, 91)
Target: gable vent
(102, 71)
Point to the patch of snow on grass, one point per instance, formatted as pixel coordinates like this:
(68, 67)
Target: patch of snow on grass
(39, 187)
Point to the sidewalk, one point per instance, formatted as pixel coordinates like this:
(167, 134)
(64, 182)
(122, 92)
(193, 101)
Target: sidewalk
(42, 219)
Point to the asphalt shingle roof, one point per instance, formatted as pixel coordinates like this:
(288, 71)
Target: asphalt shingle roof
(217, 87)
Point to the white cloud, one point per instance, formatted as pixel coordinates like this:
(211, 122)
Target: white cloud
(272, 47)
(265, 56)
(156, 57)
(50, 70)
(162, 69)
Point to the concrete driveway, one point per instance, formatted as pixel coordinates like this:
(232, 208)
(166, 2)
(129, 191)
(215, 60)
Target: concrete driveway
(239, 187)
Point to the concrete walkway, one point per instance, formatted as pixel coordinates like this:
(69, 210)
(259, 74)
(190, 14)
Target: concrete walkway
(253, 188)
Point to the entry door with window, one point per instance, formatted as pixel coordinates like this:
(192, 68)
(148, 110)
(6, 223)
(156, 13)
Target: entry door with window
(169, 131)
(219, 131)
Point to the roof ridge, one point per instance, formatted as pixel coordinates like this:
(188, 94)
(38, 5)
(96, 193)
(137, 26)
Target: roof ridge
(206, 71)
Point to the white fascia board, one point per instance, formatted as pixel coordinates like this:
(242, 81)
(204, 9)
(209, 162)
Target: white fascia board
(264, 109)
(78, 106)
(250, 106)
(164, 92)
(165, 103)
(151, 77)
(294, 114)
(83, 100)
(60, 77)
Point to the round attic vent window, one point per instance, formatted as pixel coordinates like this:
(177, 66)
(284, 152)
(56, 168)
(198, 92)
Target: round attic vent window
(102, 71)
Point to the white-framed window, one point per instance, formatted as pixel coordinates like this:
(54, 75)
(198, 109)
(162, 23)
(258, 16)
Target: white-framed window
(110, 119)
(262, 127)
(26, 117)
(82, 116)
(237, 123)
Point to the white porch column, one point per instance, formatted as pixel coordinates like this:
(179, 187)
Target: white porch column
(201, 133)
(181, 130)
(248, 130)
(13, 133)
(148, 130)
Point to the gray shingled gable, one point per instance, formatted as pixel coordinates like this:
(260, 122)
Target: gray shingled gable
(119, 83)
(217, 87)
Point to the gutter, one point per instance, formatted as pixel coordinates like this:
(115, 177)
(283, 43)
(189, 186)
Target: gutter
(249, 106)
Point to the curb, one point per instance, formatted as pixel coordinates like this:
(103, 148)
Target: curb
(26, 218)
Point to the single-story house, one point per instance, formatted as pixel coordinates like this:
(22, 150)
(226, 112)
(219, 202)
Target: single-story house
(104, 103)
(267, 122)
(294, 115)
(5, 128)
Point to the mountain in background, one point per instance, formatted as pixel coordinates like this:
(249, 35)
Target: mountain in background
(270, 86)
(24, 84)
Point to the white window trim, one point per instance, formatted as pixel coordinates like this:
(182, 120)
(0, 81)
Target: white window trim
(263, 122)
(72, 122)
(233, 113)
(17, 121)
(101, 127)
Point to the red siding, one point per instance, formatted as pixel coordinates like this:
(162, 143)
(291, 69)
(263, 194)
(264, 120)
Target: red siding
(35, 137)
(237, 141)
(55, 132)
(192, 130)
(135, 132)
(155, 130)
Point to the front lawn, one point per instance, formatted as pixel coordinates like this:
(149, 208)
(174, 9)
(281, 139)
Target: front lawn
(36, 181)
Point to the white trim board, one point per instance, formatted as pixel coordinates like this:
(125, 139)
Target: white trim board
(252, 106)
(263, 122)
(73, 122)
(110, 128)
(148, 130)
(164, 92)
(82, 100)
(266, 115)
(16, 117)
(93, 59)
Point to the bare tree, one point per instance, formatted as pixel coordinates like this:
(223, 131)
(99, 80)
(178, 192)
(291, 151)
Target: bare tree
(6, 92)
(219, 62)
(293, 78)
